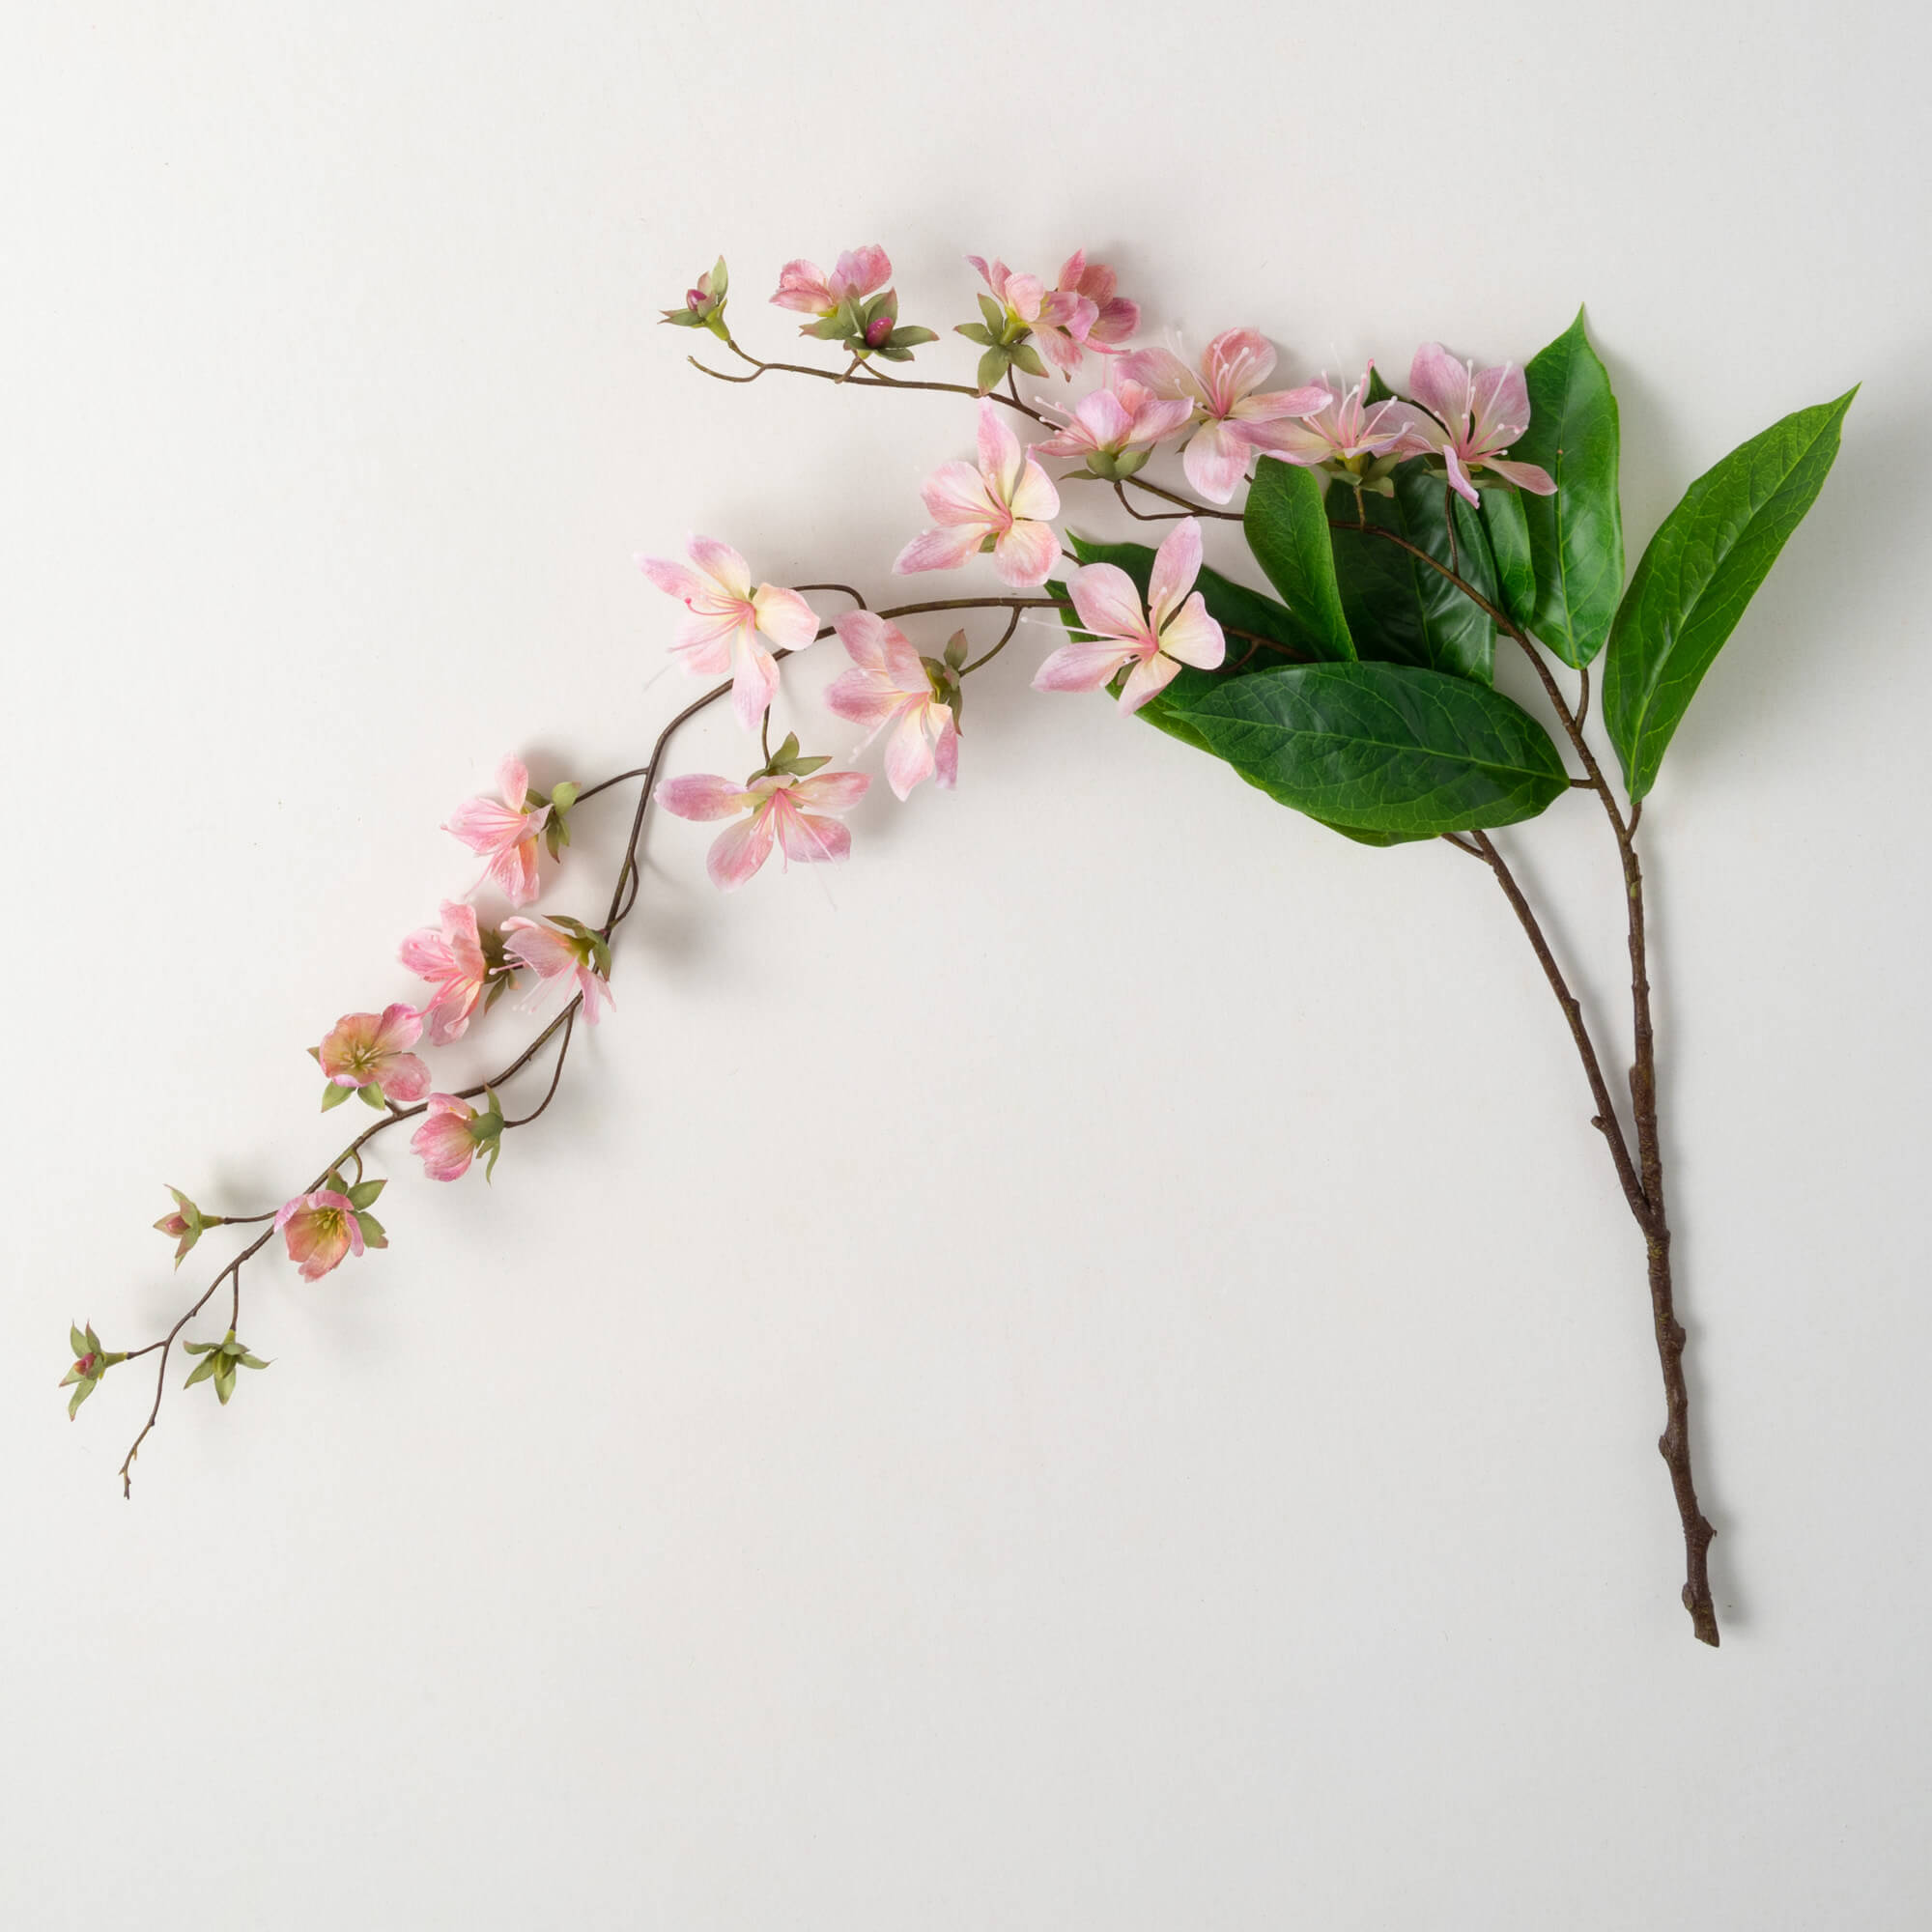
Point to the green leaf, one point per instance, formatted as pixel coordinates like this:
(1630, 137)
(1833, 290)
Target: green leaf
(1378, 390)
(200, 1347)
(992, 366)
(366, 1193)
(974, 331)
(333, 1095)
(1576, 537)
(82, 1390)
(1508, 532)
(372, 1234)
(1028, 358)
(1400, 608)
(1287, 527)
(1697, 574)
(995, 314)
(370, 1095)
(224, 1382)
(206, 1366)
(1382, 748)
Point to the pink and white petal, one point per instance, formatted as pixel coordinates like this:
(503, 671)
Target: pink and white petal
(956, 494)
(1442, 384)
(1524, 475)
(484, 825)
(909, 754)
(903, 669)
(945, 749)
(811, 839)
(1459, 478)
(1024, 294)
(862, 270)
(939, 550)
(673, 578)
(1236, 362)
(702, 795)
(785, 618)
(1024, 556)
(1216, 460)
(1107, 600)
(830, 791)
(1157, 420)
(397, 1027)
(513, 781)
(1177, 563)
(426, 953)
(863, 697)
(863, 632)
(1118, 319)
(1110, 422)
(705, 633)
(1146, 680)
(1033, 496)
(1059, 345)
(754, 682)
(999, 453)
(514, 871)
(1293, 441)
(1164, 372)
(596, 992)
(1193, 636)
(1086, 663)
(1272, 405)
(722, 564)
(404, 1078)
(540, 947)
(1500, 404)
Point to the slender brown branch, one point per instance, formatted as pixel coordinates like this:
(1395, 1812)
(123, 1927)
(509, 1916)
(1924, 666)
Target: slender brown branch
(872, 379)
(1005, 638)
(556, 1071)
(1606, 1118)
(1187, 503)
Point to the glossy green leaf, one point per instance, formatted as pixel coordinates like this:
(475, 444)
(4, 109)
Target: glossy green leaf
(1508, 531)
(1286, 526)
(1697, 574)
(1576, 537)
(1400, 608)
(1382, 748)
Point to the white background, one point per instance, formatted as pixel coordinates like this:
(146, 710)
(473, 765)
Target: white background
(1087, 1369)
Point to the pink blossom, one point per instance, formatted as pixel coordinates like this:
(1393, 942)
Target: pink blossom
(454, 1133)
(1060, 319)
(776, 806)
(369, 1050)
(806, 286)
(1474, 414)
(559, 949)
(505, 832)
(1115, 316)
(727, 620)
(1175, 630)
(322, 1230)
(1225, 403)
(452, 961)
(1002, 507)
(1114, 429)
(890, 684)
(1344, 429)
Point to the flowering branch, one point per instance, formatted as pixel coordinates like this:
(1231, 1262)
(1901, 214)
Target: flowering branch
(1400, 534)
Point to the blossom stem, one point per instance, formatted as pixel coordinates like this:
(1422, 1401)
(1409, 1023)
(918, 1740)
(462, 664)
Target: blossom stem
(872, 379)
(1005, 638)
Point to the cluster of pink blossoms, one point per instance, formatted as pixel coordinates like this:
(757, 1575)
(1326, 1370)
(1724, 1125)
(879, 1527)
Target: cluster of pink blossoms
(1004, 506)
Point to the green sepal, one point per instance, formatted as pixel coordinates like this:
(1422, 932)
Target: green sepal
(366, 1193)
(224, 1381)
(77, 1339)
(370, 1095)
(992, 366)
(333, 1095)
(974, 333)
(204, 1368)
(84, 1388)
(1026, 356)
(912, 336)
(200, 1347)
(372, 1234)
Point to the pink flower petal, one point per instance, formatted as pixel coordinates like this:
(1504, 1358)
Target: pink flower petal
(1216, 460)
(937, 549)
(737, 853)
(1033, 496)
(702, 796)
(785, 618)
(909, 755)
(998, 452)
(1177, 563)
(955, 494)
(1442, 384)
(1024, 556)
(831, 791)
(1107, 602)
(1193, 636)
(1236, 362)
(1147, 678)
(810, 839)
(1524, 475)
(1083, 665)
(722, 564)
(1164, 372)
